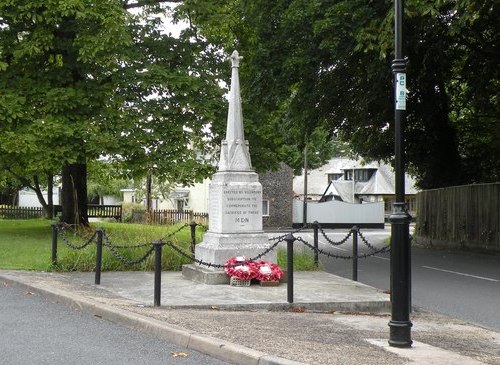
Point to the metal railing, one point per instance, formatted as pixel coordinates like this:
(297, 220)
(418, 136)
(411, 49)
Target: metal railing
(102, 240)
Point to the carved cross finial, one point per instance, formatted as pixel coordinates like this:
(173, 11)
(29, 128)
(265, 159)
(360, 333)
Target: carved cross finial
(235, 59)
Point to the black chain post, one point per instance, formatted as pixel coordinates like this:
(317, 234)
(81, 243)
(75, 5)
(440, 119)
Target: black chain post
(354, 231)
(54, 243)
(98, 256)
(289, 273)
(157, 292)
(316, 258)
(193, 225)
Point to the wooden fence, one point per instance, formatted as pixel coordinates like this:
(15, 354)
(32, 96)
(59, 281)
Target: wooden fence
(12, 212)
(166, 216)
(461, 216)
(170, 216)
(104, 211)
(97, 211)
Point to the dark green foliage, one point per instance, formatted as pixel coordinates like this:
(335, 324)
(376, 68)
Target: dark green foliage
(326, 66)
(85, 79)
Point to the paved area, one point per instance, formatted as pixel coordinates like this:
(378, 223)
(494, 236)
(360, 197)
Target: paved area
(332, 321)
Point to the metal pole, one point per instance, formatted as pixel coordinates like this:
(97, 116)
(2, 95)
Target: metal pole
(304, 207)
(316, 258)
(54, 243)
(193, 235)
(98, 256)
(157, 292)
(289, 267)
(354, 231)
(400, 324)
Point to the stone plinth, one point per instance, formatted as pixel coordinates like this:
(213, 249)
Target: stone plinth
(235, 225)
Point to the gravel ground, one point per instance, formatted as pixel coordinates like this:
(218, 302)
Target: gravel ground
(331, 338)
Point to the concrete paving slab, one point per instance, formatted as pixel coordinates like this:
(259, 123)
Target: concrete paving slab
(424, 354)
(312, 289)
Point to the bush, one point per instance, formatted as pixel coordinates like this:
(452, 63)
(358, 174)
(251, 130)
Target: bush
(128, 210)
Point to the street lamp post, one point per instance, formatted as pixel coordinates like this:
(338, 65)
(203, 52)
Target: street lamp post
(304, 206)
(400, 324)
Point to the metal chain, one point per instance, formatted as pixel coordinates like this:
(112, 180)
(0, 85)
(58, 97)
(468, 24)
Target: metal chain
(286, 234)
(217, 266)
(73, 246)
(205, 227)
(107, 243)
(333, 243)
(322, 252)
(126, 261)
(173, 233)
(365, 241)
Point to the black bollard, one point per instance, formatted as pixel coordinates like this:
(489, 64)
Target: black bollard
(55, 227)
(157, 292)
(316, 228)
(354, 231)
(193, 235)
(98, 256)
(289, 267)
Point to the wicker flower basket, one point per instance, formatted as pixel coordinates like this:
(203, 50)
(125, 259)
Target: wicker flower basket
(239, 282)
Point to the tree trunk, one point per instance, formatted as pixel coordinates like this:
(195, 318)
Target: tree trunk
(74, 194)
(149, 201)
(41, 199)
(50, 197)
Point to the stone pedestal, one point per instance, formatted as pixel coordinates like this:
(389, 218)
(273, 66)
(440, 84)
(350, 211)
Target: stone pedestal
(235, 225)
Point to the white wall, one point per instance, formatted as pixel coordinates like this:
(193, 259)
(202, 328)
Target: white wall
(336, 212)
(28, 198)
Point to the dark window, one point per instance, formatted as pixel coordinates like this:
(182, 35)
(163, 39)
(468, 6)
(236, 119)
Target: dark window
(359, 175)
(333, 177)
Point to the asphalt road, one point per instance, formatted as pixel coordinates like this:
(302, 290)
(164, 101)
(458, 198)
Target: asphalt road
(465, 285)
(37, 331)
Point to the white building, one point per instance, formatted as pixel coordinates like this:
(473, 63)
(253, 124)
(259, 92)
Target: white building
(194, 198)
(354, 181)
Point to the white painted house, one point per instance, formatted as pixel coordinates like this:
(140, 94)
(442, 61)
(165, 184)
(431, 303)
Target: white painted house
(353, 181)
(194, 198)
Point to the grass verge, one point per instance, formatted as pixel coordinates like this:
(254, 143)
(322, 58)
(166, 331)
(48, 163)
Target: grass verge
(26, 245)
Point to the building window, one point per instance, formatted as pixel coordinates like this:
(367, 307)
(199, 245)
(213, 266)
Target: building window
(265, 208)
(359, 175)
(363, 175)
(348, 175)
(333, 177)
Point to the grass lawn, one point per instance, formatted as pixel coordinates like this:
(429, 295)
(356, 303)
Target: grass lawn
(27, 245)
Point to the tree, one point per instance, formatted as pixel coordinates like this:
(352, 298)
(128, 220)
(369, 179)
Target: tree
(276, 130)
(84, 79)
(313, 64)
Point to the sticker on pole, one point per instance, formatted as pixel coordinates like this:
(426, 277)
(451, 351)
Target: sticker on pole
(400, 91)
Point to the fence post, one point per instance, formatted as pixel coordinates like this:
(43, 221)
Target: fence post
(289, 267)
(193, 225)
(354, 231)
(316, 227)
(98, 256)
(157, 292)
(54, 243)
